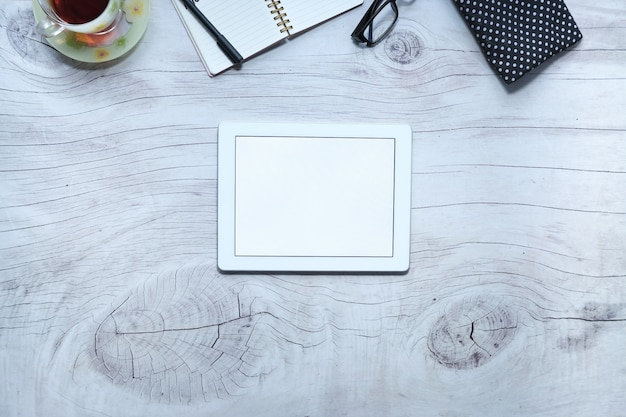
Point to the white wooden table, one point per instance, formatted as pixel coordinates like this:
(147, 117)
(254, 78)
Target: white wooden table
(515, 303)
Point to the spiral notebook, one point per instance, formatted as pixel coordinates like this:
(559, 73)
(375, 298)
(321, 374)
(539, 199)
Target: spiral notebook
(252, 26)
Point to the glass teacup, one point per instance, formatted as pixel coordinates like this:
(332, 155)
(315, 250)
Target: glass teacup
(96, 17)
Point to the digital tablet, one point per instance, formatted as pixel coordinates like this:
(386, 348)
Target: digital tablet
(314, 197)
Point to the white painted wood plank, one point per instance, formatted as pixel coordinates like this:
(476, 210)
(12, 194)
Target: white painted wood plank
(110, 303)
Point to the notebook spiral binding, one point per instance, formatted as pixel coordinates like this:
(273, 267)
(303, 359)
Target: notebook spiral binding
(281, 17)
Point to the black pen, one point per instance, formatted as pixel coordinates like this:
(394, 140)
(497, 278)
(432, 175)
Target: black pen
(222, 42)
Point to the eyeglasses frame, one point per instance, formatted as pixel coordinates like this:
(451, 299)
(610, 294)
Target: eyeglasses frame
(368, 18)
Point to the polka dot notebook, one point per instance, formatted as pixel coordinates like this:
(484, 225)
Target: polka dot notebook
(519, 35)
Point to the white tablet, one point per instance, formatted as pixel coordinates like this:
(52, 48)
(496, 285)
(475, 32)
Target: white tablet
(314, 197)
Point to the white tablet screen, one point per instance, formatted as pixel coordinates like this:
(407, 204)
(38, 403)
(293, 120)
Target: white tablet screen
(312, 197)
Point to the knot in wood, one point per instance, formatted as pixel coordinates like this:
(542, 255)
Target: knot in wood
(178, 338)
(471, 332)
(20, 30)
(403, 47)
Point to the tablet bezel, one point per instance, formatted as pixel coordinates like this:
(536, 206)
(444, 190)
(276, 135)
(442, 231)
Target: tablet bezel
(229, 261)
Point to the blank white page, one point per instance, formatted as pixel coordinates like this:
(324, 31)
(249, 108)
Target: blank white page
(308, 196)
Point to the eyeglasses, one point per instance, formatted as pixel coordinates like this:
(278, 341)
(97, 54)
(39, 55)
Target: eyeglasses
(385, 12)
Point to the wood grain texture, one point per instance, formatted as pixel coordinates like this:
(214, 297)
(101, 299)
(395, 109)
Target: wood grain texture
(515, 303)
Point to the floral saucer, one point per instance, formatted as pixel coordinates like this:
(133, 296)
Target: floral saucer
(102, 48)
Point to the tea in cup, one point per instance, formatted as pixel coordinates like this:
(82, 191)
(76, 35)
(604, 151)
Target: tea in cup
(79, 16)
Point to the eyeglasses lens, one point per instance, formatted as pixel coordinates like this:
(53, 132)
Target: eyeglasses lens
(382, 22)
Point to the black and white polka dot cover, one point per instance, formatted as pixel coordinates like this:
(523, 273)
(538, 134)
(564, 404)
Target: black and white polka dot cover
(518, 35)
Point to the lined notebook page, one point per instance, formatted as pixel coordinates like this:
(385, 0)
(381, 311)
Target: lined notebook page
(247, 24)
(305, 14)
